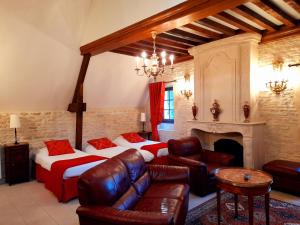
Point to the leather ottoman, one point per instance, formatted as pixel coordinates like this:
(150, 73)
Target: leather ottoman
(286, 175)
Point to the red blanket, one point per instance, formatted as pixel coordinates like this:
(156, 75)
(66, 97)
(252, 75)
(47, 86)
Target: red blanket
(59, 167)
(154, 148)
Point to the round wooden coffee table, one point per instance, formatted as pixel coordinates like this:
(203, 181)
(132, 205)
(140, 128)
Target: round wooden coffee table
(247, 182)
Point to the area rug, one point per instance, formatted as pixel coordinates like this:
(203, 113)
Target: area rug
(281, 213)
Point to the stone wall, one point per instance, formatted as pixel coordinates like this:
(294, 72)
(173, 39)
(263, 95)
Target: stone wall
(36, 127)
(39, 126)
(282, 113)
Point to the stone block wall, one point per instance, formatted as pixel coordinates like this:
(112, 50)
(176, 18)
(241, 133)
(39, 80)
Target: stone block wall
(36, 127)
(281, 113)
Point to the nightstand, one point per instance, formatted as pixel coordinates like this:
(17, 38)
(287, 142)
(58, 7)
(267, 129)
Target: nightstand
(16, 162)
(145, 134)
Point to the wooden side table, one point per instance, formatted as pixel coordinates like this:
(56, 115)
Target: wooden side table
(16, 162)
(145, 134)
(234, 180)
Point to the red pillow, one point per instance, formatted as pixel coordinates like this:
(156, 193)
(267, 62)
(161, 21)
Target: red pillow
(101, 143)
(59, 147)
(133, 137)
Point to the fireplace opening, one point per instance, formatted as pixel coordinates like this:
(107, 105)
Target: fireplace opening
(231, 147)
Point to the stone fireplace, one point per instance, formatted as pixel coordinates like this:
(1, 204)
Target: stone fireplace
(225, 71)
(251, 135)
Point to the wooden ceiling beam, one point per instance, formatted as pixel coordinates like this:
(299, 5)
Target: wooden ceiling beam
(294, 4)
(255, 17)
(275, 11)
(283, 33)
(218, 27)
(179, 40)
(189, 36)
(201, 31)
(226, 17)
(143, 44)
(169, 43)
(169, 19)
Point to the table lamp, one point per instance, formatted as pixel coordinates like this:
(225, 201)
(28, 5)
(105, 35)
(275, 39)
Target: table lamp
(143, 120)
(15, 123)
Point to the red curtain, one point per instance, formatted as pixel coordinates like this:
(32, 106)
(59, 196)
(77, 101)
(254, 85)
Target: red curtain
(157, 97)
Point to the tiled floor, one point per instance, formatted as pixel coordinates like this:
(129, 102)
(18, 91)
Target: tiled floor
(31, 204)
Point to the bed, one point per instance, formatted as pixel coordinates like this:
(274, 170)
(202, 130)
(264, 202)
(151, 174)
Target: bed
(113, 151)
(60, 173)
(160, 150)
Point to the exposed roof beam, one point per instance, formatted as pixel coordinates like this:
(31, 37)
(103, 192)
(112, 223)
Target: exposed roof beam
(294, 4)
(189, 36)
(283, 33)
(255, 17)
(201, 31)
(143, 44)
(169, 19)
(179, 39)
(276, 12)
(226, 17)
(217, 26)
(169, 43)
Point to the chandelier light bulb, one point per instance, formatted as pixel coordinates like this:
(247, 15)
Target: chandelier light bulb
(144, 55)
(137, 60)
(164, 61)
(163, 54)
(171, 59)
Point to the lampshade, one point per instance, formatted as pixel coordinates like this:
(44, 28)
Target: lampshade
(14, 121)
(143, 117)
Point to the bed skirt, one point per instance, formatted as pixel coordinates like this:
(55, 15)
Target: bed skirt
(69, 187)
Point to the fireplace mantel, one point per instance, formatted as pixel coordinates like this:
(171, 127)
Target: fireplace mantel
(252, 137)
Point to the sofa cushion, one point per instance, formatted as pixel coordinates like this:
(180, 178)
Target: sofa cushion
(142, 184)
(160, 205)
(134, 163)
(128, 200)
(103, 186)
(167, 190)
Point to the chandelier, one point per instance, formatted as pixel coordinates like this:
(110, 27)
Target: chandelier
(153, 66)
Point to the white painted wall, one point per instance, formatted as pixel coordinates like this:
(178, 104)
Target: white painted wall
(40, 57)
(112, 82)
(107, 16)
(111, 79)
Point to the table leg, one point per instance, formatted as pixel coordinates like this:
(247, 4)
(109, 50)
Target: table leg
(236, 214)
(267, 206)
(219, 205)
(250, 208)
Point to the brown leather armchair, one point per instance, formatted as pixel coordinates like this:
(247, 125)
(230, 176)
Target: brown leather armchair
(202, 163)
(125, 191)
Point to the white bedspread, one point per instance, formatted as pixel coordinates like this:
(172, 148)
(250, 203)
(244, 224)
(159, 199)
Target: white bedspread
(113, 151)
(123, 142)
(44, 160)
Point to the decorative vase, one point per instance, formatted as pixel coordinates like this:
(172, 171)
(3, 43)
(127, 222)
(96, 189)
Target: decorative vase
(215, 110)
(246, 109)
(195, 111)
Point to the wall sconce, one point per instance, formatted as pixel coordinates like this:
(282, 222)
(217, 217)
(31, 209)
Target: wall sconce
(187, 92)
(277, 86)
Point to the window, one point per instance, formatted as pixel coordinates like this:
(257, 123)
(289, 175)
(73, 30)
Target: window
(169, 106)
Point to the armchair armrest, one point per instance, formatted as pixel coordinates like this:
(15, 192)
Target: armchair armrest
(192, 164)
(217, 157)
(169, 173)
(107, 215)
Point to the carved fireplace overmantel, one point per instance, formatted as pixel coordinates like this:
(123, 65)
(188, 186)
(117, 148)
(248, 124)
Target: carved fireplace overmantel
(252, 134)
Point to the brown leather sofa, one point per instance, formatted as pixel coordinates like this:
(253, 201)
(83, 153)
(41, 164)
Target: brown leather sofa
(286, 175)
(125, 191)
(202, 163)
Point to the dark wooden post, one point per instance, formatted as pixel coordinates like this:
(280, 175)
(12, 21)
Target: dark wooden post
(77, 104)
